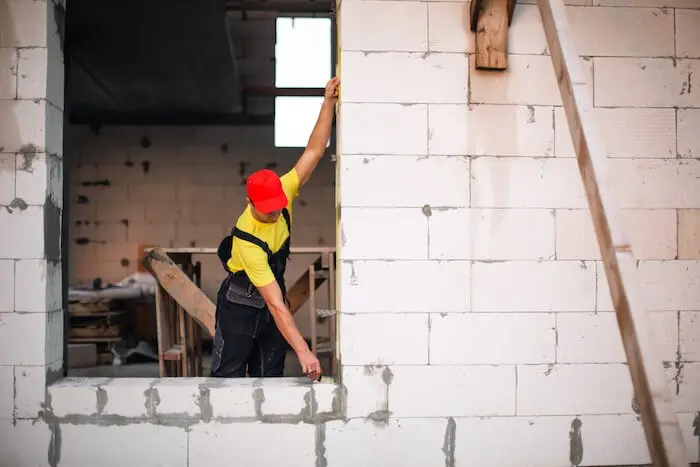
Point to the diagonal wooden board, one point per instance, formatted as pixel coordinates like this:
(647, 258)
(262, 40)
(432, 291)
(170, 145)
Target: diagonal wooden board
(663, 433)
(185, 292)
(191, 298)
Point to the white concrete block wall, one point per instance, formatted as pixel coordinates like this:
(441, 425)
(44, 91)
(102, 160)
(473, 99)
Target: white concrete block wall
(492, 240)
(31, 203)
(480, 334)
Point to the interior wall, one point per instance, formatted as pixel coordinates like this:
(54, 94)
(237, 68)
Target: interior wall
(181, 186)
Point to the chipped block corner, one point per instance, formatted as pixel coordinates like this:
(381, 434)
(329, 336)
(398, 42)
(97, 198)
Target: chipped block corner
(475, 311)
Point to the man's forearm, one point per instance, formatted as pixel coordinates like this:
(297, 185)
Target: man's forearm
(282, 316)
(285, 323)
(322, 129)
(316, 146)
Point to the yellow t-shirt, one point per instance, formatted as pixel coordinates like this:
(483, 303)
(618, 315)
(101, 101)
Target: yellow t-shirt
(248, 257)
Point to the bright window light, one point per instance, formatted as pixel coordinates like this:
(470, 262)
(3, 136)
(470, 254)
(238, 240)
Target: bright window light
(303, 52)
(302, 60)
(295, 117)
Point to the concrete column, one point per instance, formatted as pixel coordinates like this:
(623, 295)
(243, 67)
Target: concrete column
(31, 176)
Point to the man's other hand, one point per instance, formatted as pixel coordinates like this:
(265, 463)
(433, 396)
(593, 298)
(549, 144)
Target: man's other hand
(310, 365)
(331, 93)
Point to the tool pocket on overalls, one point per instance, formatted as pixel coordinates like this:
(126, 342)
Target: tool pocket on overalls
(244, 295)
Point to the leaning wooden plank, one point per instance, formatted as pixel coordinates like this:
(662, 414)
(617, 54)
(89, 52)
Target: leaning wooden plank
(181, 288)
(660, 422)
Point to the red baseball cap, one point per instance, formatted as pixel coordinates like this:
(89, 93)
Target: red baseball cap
(264, 190)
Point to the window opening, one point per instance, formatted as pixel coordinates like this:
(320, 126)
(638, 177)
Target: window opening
(303, 59)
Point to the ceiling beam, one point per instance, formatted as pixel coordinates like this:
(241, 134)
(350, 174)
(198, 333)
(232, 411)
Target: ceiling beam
(280, 7)
(193, 119)
(275, 92)
(171, 119)
(490, 20)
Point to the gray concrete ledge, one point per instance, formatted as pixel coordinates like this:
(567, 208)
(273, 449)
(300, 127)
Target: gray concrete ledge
(184, 402)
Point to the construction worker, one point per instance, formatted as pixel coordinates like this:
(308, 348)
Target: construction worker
(253, 322)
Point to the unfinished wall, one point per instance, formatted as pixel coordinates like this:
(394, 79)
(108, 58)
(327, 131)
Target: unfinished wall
(476, 326)
(482, 257)
(31, 200)
(179, 186)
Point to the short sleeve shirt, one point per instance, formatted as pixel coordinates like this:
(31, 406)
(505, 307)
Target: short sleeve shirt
(248, 257)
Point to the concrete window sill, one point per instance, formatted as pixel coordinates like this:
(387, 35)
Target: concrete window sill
(187, 401)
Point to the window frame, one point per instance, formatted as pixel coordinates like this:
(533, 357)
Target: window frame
(308, 91)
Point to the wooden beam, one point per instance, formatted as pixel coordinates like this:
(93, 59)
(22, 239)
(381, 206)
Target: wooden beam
(299, 293)
(661, 426)
(489, 20)
(185, 292)
(263, 91)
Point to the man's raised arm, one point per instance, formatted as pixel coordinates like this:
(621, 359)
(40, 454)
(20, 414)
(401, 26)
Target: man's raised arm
(316, 146)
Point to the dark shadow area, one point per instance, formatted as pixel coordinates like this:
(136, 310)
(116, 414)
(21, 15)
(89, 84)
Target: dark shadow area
(150, 60)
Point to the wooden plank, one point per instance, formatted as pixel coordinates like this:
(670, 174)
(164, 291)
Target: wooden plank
(160, 332)
(84, 308)
(299, 293)
(96, 314)
(332, 320)
(197, 274)
(312, 307)
(183, 339)
(95, 331)
(181, 288)
(79, 340)
(191, 325)
(657, 410)
(489, 20)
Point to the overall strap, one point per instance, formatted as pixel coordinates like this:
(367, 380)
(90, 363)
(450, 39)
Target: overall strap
(252, 239)
(236, 232)
(287, 218)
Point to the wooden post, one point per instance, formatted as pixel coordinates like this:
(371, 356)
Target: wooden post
(333, 306)
(661, 426)
(312, 308)
(197, 274)
(183, 340)
(160, 329)
(489, 20)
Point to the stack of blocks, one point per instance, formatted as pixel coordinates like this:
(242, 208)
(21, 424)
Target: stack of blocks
(476, 328)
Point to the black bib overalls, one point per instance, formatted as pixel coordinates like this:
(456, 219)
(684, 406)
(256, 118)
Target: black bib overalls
(246, 336)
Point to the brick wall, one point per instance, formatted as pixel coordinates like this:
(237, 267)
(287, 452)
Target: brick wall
(179, 187)
(482, 276)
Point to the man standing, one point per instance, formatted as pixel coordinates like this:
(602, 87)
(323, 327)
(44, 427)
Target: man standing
(253, 320)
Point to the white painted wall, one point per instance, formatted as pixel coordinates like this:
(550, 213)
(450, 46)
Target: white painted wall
(476, 327)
